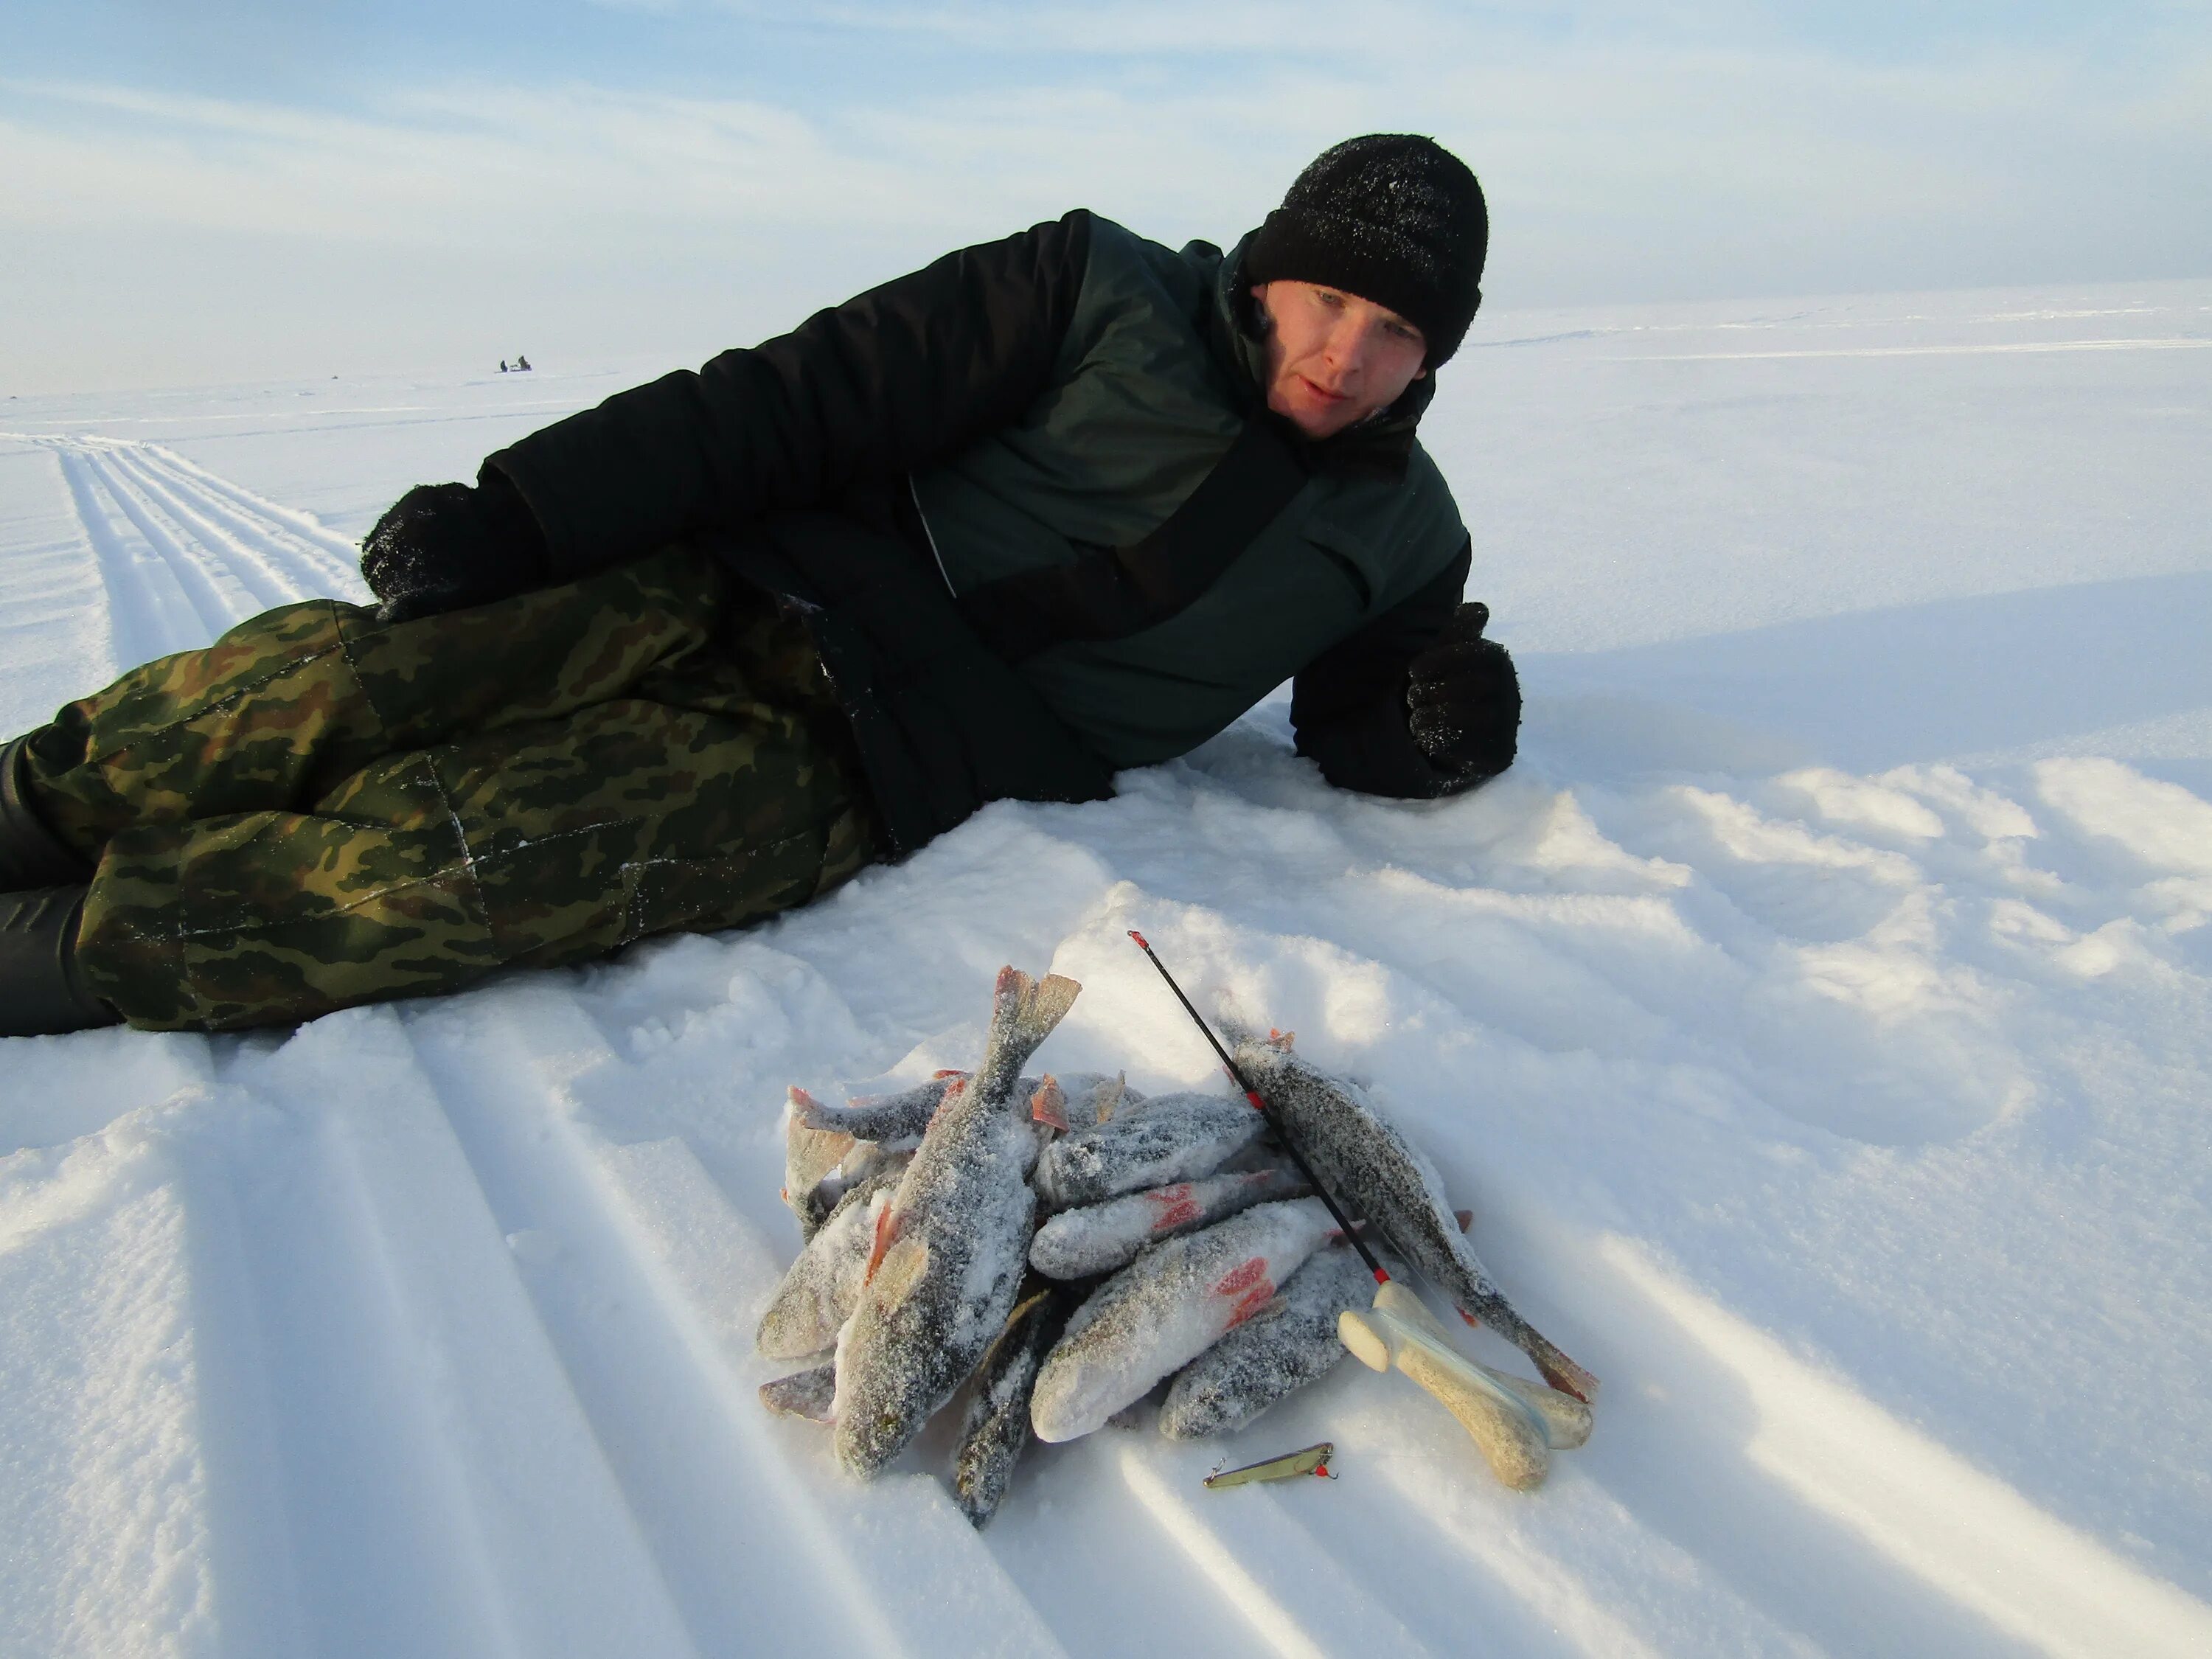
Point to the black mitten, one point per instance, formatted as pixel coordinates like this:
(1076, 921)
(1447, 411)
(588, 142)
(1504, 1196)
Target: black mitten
(1463, 700)
(446, 547)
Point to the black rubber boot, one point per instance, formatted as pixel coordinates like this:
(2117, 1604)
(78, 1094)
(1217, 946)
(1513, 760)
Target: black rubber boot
(42, 990)
(31, 855)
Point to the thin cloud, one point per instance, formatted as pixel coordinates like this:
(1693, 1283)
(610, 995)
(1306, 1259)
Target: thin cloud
(1706, 154)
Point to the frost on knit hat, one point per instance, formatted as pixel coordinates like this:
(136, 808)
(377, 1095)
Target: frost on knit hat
(1392, 217)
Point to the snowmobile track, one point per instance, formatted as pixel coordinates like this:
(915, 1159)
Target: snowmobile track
(184, 553)
(710, 1477)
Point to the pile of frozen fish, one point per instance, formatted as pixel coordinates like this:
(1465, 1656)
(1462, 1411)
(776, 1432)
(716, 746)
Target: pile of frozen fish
(1067, 1243)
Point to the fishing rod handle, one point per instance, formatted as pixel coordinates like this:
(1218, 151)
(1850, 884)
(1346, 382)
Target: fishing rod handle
(1399, 1333)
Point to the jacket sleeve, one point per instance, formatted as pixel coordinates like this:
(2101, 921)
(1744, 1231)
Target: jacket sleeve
(1348, 707)
(891, 380)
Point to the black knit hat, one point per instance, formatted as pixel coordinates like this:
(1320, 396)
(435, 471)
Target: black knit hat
(1392, 217)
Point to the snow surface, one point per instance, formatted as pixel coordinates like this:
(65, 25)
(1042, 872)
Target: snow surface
(1816, 1019)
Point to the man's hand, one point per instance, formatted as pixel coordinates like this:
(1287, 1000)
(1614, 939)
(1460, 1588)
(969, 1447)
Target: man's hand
(1462, 699)
(446, 547)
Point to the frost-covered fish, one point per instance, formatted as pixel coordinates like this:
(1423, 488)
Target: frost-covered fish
(1289, 1343)
(899, 1116)
(951, 1247)
(819, 1289)
(1175, 1301)
(1173, 1138)
(897, 1120)
(996, 1429)
(1381, 1176)
(1097, 1238)
(828, 1150)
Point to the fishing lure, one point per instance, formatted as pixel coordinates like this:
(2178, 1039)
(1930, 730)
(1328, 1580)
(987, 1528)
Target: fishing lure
(1313, 1459)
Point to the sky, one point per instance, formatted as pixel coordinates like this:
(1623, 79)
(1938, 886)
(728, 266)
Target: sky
(197, 192)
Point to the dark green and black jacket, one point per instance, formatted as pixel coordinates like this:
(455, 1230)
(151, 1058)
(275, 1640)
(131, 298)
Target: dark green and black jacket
(947, 475)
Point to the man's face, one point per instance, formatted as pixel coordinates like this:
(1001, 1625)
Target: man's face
(1333, 359)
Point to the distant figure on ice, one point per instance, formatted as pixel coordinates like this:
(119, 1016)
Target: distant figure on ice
(502, 365)
(521, 364)
(1047, 508)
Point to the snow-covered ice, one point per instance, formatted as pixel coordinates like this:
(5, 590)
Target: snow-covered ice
(1818, 1021)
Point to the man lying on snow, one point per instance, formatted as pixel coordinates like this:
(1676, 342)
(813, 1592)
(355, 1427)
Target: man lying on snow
(1048, 508)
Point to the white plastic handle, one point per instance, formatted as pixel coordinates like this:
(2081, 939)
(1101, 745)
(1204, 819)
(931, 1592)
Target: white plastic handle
(1513, 1422)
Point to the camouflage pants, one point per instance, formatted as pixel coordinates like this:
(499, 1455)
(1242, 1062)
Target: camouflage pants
(321, 809)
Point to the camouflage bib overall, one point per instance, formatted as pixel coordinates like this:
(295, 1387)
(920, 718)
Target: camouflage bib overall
(321, 809)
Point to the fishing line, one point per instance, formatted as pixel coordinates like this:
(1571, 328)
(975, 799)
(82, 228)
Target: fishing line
(1282, 1131)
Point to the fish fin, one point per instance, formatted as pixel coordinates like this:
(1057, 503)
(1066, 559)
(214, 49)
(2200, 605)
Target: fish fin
(818, 1151)
(947, 1071)
(1049, 1104)
(900, 1270)
(953, 1091)
(1281, 1039)
(807, 1393)
(1034, 1006)
(1029, 1304)
(810, 1150)
(1109, 1097)
(1023, 1011)
(1465, 1218)
(889, 1223)
(1010, 1331)
(805, 1113)
(1563, 1374)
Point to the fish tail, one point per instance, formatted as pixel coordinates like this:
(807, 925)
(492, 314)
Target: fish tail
(811, 1146)
(1561, 1372)
(1023, 1011)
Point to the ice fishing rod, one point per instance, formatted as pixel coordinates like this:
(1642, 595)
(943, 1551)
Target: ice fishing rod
(1252, 1095)
(1512, 1422)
